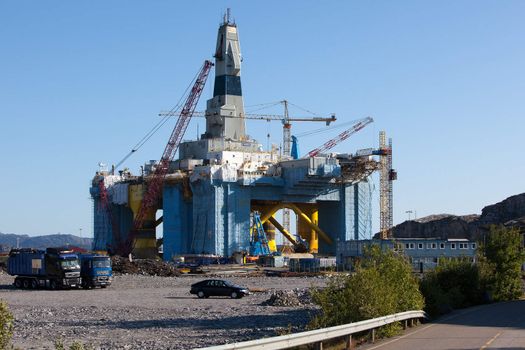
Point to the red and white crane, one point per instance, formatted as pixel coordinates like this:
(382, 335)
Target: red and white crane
(154, 187)
(341, 137)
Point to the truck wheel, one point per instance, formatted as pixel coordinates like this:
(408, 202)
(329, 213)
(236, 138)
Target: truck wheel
(25, 283)
(18, 283)
(34, 284)
(53, 284)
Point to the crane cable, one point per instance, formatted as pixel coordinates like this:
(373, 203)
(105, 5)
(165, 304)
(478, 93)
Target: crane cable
(328, 129)
(159, 124)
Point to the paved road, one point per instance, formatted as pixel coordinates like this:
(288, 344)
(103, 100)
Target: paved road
(495, 326)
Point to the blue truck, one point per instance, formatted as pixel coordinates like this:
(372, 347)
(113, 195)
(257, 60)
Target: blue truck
(52, 268)
(95, 270)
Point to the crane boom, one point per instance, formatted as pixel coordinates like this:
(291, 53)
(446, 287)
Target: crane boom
(155, 184)
(265, 117)
(341, 137)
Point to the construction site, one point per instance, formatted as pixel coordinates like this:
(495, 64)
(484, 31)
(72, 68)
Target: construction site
(224, 195)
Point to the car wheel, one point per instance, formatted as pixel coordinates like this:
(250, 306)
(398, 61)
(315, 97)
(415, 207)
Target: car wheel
(18, 283)
(234, 295)
(201, 294)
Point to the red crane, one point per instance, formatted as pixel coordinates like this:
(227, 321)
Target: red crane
(154, 189)
(341, 137)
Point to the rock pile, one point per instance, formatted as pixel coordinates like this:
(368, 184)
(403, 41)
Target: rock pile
(294, 297)
(149, 267)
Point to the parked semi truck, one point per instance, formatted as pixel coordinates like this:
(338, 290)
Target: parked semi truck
(52, 268)
(95, 270)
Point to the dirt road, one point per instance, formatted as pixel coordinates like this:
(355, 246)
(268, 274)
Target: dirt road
(145, 312)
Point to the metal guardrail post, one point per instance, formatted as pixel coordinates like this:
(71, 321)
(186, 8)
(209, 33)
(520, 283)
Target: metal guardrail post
(348, 341)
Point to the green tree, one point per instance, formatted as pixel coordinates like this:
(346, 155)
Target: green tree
(383, 284)
(500, 260)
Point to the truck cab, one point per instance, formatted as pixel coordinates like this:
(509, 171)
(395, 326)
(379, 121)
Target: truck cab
(95, 270)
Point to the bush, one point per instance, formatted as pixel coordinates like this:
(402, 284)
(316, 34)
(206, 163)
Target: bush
(500, 261)
(382, 285)
(6, 325)
(459, 283)
(76, 345)
(452, 285)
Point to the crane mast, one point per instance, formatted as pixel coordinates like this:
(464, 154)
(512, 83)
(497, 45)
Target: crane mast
(386, 177)
(154, 188)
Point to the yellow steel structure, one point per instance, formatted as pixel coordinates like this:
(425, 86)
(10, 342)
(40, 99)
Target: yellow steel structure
(269, 229)
(145, 241)
(283, 230)
(307, 228)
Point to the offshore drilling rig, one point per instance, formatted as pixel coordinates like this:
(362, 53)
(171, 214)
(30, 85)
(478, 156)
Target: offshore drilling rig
(208, 196)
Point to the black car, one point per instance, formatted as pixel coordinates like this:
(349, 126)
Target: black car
(207, 288)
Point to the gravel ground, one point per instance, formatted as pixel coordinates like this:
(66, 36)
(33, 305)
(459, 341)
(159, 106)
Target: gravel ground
(149, 312)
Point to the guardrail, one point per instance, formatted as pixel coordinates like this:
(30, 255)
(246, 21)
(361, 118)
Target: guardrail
(319, 335)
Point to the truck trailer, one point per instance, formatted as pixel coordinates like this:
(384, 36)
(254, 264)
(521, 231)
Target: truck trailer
(52, 268)
(95, 270)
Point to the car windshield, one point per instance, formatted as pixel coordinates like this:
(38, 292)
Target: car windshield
(69, 263)
(101, 263)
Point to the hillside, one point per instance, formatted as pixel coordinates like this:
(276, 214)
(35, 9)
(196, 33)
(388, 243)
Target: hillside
(41, 242)
(509, 212)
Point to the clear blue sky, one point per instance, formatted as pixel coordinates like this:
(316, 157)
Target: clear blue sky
(81, 82)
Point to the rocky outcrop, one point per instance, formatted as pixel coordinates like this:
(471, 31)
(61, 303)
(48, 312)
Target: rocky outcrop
(510, 209)
(509, 212)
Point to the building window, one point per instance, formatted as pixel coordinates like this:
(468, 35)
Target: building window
(463, 246)
(441, 245)
(428, 245)
(420, 246)
(407, 245)
(434, 245)
(452, 245)
(473, 245)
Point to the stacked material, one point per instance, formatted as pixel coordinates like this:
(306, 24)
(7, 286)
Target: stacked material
(150, 267)
(294, 297)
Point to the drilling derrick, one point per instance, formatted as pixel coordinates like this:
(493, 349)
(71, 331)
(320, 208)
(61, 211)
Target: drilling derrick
(386, 176)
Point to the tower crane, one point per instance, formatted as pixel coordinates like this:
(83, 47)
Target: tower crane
(341, 137)
(152, 194)
(386, 176)
(284, 119)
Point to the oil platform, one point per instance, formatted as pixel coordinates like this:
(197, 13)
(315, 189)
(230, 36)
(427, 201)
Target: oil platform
(210, 194)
